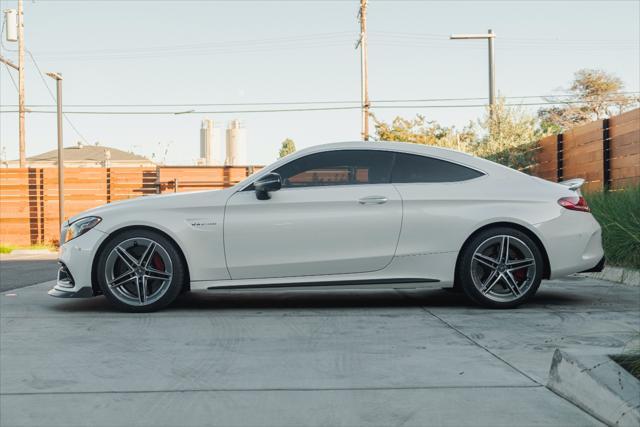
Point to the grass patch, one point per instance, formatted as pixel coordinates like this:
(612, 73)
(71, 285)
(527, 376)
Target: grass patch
(6, 249)
(630, 360)
(618, 212)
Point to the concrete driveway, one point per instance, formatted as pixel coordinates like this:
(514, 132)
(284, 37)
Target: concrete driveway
(413, 358)
(18, 271)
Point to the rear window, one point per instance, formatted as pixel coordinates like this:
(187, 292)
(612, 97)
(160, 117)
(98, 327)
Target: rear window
(414, 168)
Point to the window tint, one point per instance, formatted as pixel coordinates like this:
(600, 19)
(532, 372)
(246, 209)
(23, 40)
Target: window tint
(340, 167)
(414, 168)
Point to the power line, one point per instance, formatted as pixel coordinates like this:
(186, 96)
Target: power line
(559, 97)
(54, 98)
(283, 110)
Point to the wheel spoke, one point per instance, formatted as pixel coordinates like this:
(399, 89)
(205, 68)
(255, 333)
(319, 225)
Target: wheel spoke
(126, 257)
(511, 283)
(152, 273)
(146, 256)
(122, 279)
(142, 289)
(520, 263)
(494, 278)
(488, 261)
(504, 249)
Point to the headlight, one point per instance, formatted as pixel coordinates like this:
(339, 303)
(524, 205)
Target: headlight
(80, 226)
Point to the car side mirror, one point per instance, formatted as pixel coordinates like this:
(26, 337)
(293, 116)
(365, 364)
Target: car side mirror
(269, 182)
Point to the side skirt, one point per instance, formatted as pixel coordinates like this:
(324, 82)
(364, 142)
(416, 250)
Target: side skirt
(328, 283)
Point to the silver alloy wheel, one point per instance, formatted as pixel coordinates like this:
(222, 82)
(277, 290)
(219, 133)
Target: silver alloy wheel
(138, 271)
(503, 268)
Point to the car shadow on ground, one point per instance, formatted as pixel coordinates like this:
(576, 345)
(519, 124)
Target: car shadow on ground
(330, 299)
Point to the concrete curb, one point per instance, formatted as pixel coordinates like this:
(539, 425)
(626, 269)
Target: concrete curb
(598, 385)
(625, 276)
(31, 252)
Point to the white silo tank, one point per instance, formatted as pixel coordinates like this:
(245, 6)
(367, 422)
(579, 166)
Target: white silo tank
(236, 145)
(206, 152)
(211, 144)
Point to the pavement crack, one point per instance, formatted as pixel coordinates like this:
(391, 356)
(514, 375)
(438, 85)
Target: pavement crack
(476, 343)
(271, 389)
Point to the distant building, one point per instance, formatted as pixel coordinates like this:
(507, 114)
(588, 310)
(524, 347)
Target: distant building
(236, 145)
(86, 156)
(211, 144)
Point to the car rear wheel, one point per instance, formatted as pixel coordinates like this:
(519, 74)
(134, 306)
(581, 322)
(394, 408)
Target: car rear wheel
(500, 268)
(140, 271)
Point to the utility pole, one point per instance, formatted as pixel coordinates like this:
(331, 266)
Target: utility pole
(492, 72)
(58, 78)
(364, 70)
(21, 109)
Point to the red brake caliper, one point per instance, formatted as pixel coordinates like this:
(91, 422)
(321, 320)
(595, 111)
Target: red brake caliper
(520, 275)
(157, 262)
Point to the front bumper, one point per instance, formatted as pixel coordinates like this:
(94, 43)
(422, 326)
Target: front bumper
(80, 293)
(76, 260)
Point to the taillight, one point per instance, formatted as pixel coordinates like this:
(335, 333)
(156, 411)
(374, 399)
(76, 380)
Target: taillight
(574, 203)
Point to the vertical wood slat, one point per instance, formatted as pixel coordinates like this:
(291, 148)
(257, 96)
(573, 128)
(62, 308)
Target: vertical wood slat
(29, 196)
(605, 153)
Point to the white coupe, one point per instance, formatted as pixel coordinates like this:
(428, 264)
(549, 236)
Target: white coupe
(353, 215)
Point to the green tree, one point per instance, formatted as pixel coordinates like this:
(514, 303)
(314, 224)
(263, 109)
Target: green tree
(594, 95)
(287, 147)
(510, 137)
(419, 130)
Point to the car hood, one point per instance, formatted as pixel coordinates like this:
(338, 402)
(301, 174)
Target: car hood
(162, 201)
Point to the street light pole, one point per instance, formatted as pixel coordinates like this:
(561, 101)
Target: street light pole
(492, 79)
(21, 107)
(58, 78)
(364, 70)
(492, 73)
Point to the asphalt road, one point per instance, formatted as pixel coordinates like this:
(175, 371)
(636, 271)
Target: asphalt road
(17, 271)
(339, 358)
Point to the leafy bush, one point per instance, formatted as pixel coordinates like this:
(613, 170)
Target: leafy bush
(618, 212)
(509, 136)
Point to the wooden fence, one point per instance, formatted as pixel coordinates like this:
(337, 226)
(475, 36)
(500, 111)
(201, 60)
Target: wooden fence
(605, 153)
(29, 196)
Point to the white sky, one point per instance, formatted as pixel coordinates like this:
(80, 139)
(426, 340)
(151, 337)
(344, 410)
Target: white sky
(203, 52)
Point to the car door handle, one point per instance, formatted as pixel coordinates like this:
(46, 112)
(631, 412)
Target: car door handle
(375, 200)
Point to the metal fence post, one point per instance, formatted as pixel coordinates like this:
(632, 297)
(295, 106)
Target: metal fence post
(560, 157)
(606, 156)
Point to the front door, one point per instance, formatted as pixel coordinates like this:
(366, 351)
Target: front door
(336, 213)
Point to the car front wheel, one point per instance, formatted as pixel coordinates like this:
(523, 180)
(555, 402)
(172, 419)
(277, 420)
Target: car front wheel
(500, 268)
(140, 271)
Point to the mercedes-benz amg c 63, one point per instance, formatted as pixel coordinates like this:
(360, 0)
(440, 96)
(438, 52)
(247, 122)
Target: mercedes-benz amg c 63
(351, 215)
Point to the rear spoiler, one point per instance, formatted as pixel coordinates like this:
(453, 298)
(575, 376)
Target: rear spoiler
(573, 184)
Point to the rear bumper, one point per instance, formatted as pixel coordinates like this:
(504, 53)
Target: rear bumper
(573, 241)
(598, 268)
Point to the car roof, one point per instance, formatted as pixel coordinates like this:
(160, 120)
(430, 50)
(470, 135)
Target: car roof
(485, 166)
(404, 147)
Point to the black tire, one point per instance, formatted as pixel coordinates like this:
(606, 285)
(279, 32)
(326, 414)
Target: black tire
(167, 289)
(469, 271)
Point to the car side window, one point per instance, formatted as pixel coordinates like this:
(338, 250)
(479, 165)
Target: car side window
(339, 167)
(415, 168)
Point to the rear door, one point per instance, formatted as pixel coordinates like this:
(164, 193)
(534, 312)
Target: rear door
(336, 213)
